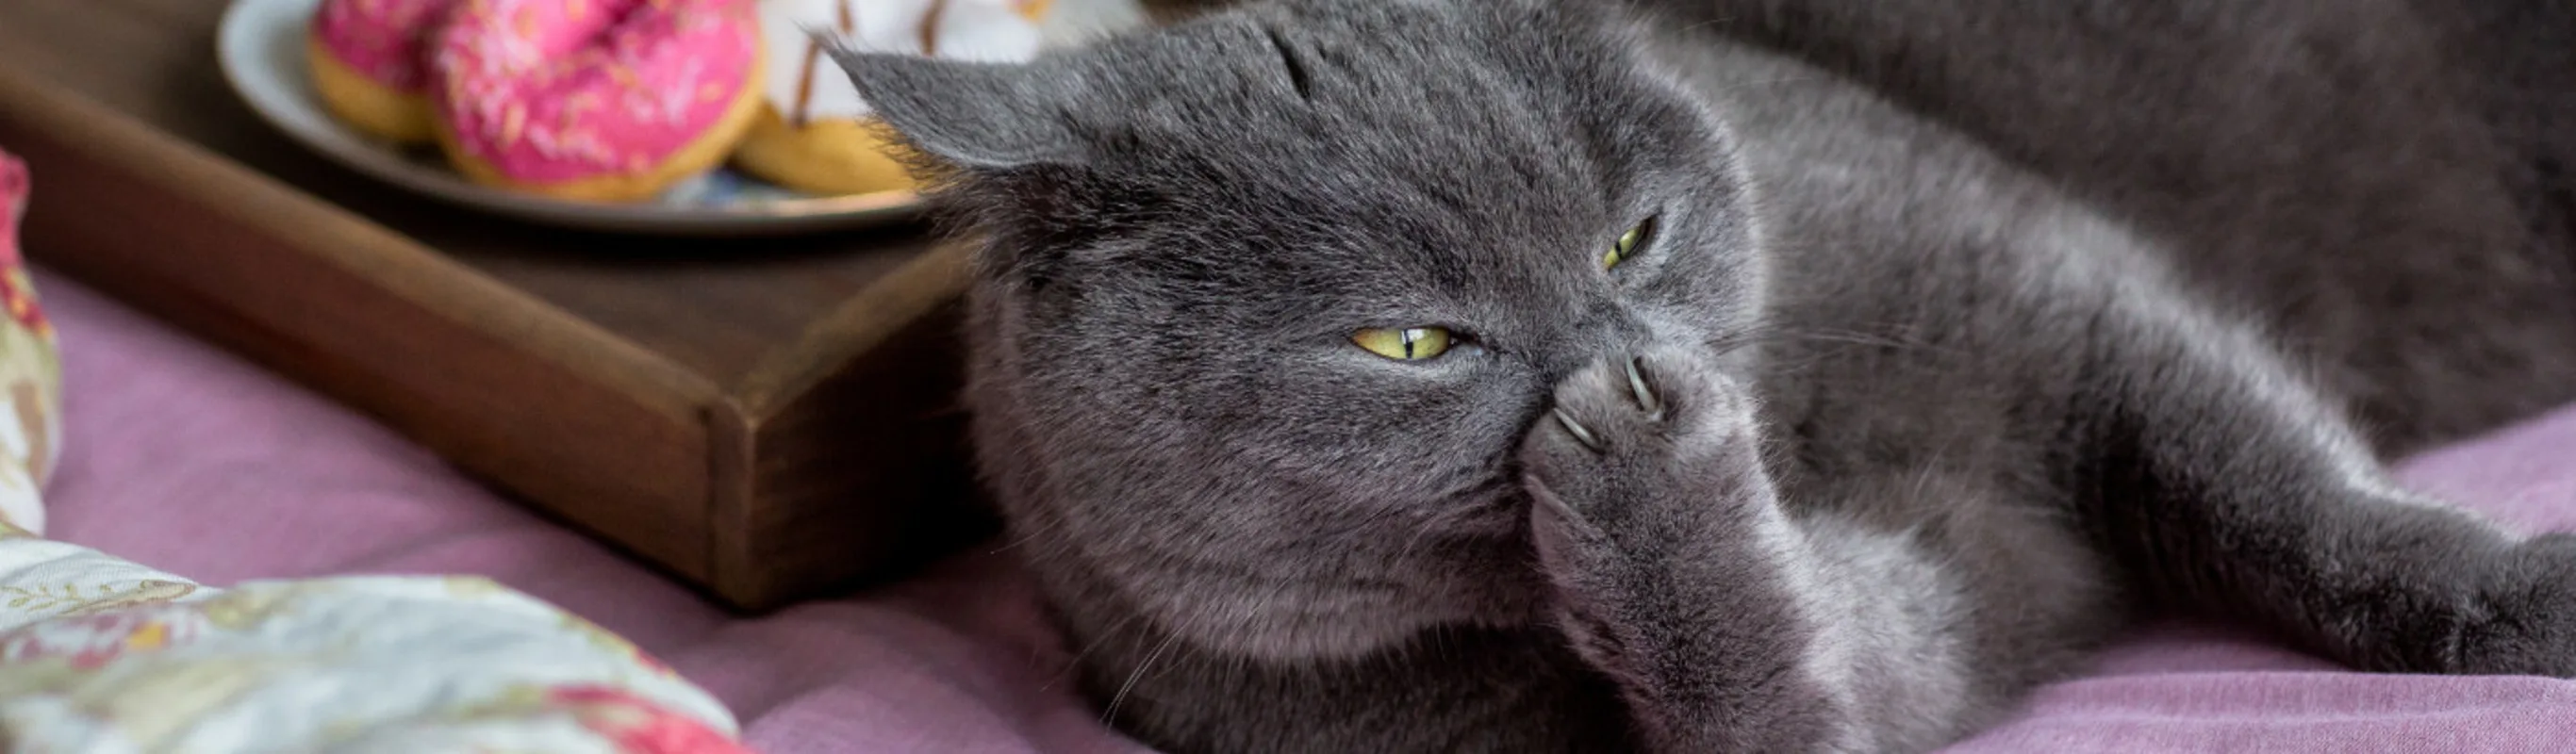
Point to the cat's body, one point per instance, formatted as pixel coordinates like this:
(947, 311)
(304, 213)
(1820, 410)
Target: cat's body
(1961, 340)
(2382, 183)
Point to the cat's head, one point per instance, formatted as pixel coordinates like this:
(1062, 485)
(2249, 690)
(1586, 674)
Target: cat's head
(1270, 297)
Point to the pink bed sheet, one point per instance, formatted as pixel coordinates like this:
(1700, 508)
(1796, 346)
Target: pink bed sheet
(187, 459)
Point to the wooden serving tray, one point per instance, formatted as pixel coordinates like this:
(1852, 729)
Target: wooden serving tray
(768, 419)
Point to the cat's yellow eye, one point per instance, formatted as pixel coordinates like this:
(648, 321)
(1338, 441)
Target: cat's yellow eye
(1625, 247)
(1404, 344)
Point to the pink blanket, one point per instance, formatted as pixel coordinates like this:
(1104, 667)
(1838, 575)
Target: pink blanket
(188, 460)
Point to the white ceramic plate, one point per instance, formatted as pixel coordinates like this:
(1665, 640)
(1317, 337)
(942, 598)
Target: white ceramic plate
(261, 44)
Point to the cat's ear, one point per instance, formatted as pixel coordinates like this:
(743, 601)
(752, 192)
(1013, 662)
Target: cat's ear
(977, 116)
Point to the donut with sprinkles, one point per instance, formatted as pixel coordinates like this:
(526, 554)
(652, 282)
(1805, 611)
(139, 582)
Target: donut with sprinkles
(365, 57)
(593, 100)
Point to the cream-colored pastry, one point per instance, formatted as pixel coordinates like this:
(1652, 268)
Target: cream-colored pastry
(817, 134)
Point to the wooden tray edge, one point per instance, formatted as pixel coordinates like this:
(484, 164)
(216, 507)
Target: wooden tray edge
(420, 275)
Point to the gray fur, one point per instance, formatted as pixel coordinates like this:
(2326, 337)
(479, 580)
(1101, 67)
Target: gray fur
(1969, 330)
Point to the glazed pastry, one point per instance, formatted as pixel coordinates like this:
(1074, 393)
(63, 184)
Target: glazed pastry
(814, 133)
(365, 56)
(594, 100)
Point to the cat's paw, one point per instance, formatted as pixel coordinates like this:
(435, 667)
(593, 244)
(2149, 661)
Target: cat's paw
(1640, 457)
(1642, 476)
(2528, 621)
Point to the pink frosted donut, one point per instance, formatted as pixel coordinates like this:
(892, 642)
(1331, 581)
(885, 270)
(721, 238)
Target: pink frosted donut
(366, 61)
(599, 100)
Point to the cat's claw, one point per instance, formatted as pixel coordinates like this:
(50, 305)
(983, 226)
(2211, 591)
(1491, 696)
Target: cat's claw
(1575, 428)
(1646, 398)
(1648, 403)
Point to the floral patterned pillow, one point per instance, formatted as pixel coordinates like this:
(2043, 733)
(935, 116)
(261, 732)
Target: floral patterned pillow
(30, 372)
(98, 653)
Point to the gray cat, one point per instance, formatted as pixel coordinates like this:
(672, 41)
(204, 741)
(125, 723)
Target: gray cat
(1751, 375)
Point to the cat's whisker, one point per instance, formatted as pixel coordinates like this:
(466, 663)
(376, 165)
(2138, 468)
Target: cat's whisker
(1452, 511)
(1771, 333)
(1735, 86)
(1854, 337)
(1464, 501)
(944, 411)
(1023, 540)
(1110, 713)
(1073, 665)
(1714, 22)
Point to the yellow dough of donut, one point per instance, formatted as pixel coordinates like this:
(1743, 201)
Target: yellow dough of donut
(372, 108)
(837, 156)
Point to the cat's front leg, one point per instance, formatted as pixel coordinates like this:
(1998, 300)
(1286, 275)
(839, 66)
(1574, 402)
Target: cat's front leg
(1675, 570)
